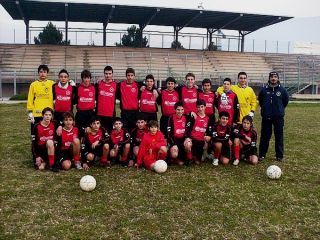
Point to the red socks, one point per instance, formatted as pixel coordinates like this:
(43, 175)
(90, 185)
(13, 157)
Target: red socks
(103, 159)
(189, 156)
(236, 150)
(162, 155)
(51, 160)
(76, 158)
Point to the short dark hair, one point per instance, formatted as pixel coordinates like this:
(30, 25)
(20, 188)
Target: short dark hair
(242, 73)
(200, 102)
(171, 79)
(206, 80)
(47, 109)
(150, 76)
(227, 80)
(224, 114)
(117, 119)
(86, 73)
(178, 104)
(63, 71)
(130, 70)
(153, 123)
(94, 118)
(43, 67)
(190, 75)
(68, 115)
(248, 118)
(108, 68)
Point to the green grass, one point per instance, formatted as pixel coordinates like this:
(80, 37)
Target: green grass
(197, 202)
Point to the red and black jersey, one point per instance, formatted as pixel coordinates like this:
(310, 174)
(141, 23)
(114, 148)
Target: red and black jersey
(228, 102)
(119, 137)
(106, 98)
(86, 97)
(189, 97)
(209, 99)
(176, 128)
(220, 133)
(137, 135)
(102, 136)
(240, 133)
(65, 140)
(167, 100)
(148, 102)
(197, 127)
(63, 98)
(128, 94)
(41, 135)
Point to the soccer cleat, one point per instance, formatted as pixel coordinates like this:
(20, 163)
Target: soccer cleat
(236, 162)
(215, 162)
(78, 165)
(279, 159)
(261, 158)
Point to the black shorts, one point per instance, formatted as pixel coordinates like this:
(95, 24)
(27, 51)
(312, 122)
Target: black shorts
(58, 117)
(226, 151)
(164, 125)
(197, 148)
(180, 145)
(83, 120)
(247, 152)
(42, 152)
(107, 123)
(65, 155)
(129, 118)
(150, 116)
(97, 152)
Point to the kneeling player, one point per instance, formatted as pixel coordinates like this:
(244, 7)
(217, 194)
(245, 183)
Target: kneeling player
(95, 143)
(152, 148)
(245, 142)
(120, 142)
(219, 134)
(43, 141)
(68, 143)
(176, 134)
(137, 135)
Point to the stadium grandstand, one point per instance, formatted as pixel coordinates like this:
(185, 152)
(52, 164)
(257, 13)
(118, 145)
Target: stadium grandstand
(18, 62)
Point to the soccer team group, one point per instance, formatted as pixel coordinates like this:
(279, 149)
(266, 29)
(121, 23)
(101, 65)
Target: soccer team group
(188, 133)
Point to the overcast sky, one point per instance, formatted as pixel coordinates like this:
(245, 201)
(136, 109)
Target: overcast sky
(303, 11)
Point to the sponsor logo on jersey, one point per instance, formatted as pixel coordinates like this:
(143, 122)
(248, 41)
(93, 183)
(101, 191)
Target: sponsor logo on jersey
(84, 99)
(106, 94)
(63, 98)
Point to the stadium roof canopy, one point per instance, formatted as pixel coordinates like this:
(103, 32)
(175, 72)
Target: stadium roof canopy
(124, 14)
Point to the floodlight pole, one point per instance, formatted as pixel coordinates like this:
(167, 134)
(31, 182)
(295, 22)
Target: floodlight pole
(66, 14)
(105, 24)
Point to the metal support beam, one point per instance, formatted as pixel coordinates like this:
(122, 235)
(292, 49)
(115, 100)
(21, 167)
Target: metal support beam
(26, 21)
(105, 24)
(143, 25)
(66, 16)
(27, 31)
(190, 21)
(231, 21)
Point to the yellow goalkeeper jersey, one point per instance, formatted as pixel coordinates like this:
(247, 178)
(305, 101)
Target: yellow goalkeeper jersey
(246, 97)
(40, 96)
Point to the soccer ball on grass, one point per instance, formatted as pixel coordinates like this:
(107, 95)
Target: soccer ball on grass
(160, 166)
(88, 183)
(274, 172)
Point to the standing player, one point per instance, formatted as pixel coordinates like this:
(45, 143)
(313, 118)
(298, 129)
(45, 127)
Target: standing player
(106, 99)
(43, 141)
(227, 101)
(120, 143)
(167, 100)
(209, 97)
(39, 96)
(148, 101)
(85, 99)
(195, 133)
(176, 134)
(68, 144)
(245, 142)
(63, 96)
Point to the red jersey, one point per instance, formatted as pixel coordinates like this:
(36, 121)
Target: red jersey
(86, 97)
(167, 100)
(63, 98)
(119, 138)
(241, 134)
(137, 135)
(189, 98)
(102, 136)
(228, 102)
(220, 133)
(128, 95)
(153, 142)
(198, 127)
(106, 98)
(209, 98)
(66, 138)
(176, 128)
(148, 102)
(41, 135)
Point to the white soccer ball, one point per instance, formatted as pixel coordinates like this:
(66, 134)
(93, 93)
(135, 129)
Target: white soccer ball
(160, 166)
(274, 172)
(88, 183)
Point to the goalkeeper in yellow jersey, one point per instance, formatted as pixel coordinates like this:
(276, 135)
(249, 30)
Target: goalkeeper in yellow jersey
(40, 96)
(246, 97)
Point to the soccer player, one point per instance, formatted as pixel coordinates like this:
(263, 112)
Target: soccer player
(227, 101)
(152, 148)
(137, 135)
(68, 144)
(128, 93)
(148, 101)
(209, 97)
(167, 99)
(176, 134)
(120, 143)
(95, 143)
(85, 99)
(246, 97)
(195, 133)
(220, 136)
(245, 139)
(64, 93)
(39, 96)
(189, 94)
(43, 141)
(106, 99)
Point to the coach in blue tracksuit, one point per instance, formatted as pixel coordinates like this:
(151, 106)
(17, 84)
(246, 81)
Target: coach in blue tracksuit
(273, 99)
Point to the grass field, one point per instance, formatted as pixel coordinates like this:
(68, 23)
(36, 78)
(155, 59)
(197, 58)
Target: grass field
(197, 202)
